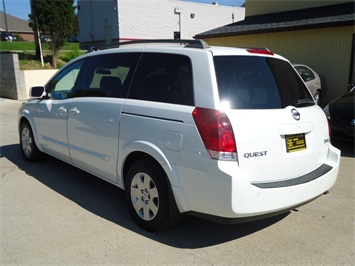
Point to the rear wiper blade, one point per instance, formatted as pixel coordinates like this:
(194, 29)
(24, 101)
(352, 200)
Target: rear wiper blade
(303, 103)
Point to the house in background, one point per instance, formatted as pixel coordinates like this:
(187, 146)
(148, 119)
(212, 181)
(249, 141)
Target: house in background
(316, 33)
(103, 22)
(16, 26)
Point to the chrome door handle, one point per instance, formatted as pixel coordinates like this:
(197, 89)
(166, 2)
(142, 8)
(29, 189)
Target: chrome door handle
(62, 110)
(74, 111)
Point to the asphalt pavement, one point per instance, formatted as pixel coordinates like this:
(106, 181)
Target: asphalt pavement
(54, 214)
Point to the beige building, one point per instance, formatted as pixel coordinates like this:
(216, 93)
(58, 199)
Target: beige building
(316, 33)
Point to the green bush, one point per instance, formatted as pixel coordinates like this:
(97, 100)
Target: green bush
(70, 55)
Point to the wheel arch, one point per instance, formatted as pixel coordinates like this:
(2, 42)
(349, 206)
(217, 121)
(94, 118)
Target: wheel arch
(132, 158)
(26, 117)
(142, 149)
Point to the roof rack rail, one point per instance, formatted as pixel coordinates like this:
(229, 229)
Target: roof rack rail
(191, 43)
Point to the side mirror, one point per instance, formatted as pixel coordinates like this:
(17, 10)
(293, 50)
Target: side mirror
(36, 91)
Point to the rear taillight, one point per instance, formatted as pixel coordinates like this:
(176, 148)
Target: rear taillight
(327, 114)
(216, 132)
(329, 128)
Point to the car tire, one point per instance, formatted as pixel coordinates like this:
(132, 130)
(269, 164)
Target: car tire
(28, 145)
(147, 193)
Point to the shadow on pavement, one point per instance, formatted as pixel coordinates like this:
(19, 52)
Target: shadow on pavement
(108, 202)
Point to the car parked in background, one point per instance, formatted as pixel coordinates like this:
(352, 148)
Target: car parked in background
(45, 38)
(73, 39)
(312, 80)
(7, 36)
(228, 134)
(341, 115)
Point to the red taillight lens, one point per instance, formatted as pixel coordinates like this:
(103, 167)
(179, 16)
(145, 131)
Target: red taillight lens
(329, 128)
(327, 114)
(260, 51)
(216, 132)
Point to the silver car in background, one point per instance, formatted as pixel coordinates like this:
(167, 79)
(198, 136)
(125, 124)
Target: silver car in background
(312, 80)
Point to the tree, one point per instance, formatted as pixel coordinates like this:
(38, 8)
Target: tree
(75, 25)
(55, 18)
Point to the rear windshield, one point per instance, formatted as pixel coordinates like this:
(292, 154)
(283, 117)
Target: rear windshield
(252, 82)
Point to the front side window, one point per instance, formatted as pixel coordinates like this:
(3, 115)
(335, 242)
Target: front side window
(254, 82)
(61, 85)
(165, 78)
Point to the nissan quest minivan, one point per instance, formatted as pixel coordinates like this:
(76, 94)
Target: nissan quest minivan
(228, 134)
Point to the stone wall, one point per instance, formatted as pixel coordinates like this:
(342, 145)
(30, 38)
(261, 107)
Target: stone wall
(12, 83)
(15, 83)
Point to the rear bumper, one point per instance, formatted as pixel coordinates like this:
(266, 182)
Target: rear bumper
(319, 172)
(235, 197)
(250, 200)
(226, 220)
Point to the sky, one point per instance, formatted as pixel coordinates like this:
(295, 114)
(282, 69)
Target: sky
(21, 8)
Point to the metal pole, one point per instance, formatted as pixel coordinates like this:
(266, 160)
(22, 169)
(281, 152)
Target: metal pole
(178, 12)
(180, 25)
(7, 27)
(35, 32)
(40, 43)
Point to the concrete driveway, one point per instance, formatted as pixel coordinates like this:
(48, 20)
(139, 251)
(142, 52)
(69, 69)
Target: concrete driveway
(55, 214)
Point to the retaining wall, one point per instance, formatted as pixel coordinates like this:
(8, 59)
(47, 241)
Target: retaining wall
(12, 84)
(37, 78)
(15, 83)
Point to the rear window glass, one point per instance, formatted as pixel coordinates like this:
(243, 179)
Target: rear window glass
(252, 82)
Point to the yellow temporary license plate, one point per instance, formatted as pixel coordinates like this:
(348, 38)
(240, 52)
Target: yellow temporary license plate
(295, 142)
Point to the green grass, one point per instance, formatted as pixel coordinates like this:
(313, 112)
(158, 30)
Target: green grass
(27, 58)
(30, 46)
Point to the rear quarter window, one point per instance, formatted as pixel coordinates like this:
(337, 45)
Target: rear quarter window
(165, 78)
(253, 82)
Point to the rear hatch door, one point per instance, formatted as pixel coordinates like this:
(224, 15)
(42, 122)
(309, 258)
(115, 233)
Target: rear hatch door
(274, 146)
(280, 133)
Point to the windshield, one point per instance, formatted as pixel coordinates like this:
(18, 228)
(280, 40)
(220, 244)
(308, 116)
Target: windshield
(253, 82)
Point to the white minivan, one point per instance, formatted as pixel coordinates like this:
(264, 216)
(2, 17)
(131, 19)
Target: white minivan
(223, 133)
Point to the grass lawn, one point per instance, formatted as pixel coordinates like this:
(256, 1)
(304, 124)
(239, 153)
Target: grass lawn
(27, 58)
(30, 46)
